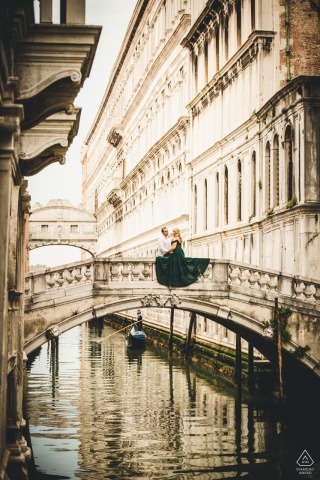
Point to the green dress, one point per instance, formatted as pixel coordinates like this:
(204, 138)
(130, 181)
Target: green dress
(176, 270)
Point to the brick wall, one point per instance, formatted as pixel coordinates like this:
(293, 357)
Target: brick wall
(304, 33)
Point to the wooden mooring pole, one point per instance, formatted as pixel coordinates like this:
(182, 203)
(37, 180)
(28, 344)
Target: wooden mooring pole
(250, 367)
(171, 330)
(238, 372)
(278, 323)
(193, 317)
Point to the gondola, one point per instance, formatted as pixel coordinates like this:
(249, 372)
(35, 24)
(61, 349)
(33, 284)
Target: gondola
(136, 338)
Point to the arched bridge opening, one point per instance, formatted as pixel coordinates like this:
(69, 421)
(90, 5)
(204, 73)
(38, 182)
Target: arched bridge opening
(304, 370)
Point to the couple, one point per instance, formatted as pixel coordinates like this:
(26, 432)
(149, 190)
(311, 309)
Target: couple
(172, 267)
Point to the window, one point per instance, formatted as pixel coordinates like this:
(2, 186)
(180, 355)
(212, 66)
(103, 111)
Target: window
(217, 195)
(267, 176)
(205, 206)
(195, 208)
(275, 175)
(253, 14)
(74, 228)
(254, 185)
(239, 191)
(238, 7)
(226, 195)
(206, 61)
(217, 33)
(289, 162)
(226, 37)
(44, 228)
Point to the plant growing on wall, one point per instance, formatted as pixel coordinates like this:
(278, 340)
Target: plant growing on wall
(272, 326)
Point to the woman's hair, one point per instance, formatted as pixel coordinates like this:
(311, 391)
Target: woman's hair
(176, 233)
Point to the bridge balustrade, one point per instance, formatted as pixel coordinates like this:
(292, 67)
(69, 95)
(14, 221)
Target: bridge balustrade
(110, 272)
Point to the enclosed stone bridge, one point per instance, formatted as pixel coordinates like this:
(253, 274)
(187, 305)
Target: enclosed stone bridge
(237, 296)
(60, 223)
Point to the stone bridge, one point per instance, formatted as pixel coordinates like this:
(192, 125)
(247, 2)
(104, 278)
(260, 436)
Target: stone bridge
(60, 223)
(238, 296)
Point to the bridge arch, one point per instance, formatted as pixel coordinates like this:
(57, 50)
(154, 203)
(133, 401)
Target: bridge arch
(249, 328)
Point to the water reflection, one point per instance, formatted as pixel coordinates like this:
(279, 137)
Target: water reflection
(101, 411)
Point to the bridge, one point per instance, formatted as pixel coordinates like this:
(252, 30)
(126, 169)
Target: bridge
(60, 223)
(238, 296)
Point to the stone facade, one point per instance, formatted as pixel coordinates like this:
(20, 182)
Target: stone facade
(210, 122)
(42, 68)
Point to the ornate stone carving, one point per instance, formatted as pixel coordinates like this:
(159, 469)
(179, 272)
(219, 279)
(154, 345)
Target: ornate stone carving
(114, 138)
(53, 332)
(161, 300)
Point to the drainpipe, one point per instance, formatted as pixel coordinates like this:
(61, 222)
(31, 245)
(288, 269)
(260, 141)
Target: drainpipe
(288, 52)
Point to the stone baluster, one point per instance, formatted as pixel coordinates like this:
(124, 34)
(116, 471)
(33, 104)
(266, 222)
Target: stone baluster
(254, 280)
(317, 293)
(50, 280)
(125, 272)
(299, 288)
(234, 275)
(60, 279)
(88, 272)
(115, 271)
(309, 293)
(70, 277)
(79, 275)
(273, 283)
(263, 281)
(147, 270)
(135, 271)
(244, 277)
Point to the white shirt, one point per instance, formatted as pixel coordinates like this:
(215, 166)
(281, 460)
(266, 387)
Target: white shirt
(164, 245)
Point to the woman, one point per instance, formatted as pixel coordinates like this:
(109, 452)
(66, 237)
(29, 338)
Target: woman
(174, 269)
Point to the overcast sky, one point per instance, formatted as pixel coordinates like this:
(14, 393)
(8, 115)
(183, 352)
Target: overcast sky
(64, 181)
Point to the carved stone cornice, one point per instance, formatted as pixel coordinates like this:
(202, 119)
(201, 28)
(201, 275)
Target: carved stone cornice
(52, 63)
(47, 142)
(208, 15)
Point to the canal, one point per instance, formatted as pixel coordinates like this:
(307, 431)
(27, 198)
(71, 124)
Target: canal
(98, 411)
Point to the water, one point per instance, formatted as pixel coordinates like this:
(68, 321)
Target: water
(98, 411)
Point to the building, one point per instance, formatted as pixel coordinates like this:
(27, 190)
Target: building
(210, 122)
(42, 68)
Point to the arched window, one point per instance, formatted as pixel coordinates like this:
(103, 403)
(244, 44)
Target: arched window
(195, 218)
(217, 195)
(195, 66)
(205, 51)
(289, 163)
(253, 14)
(217, 34)
(238, 7)
(239, 206)
(226, 195)
(275, 173)
(205, 205)
(226, 38)
(267, 176)
(254, 185)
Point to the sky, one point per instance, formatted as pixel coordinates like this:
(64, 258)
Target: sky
(64, 181)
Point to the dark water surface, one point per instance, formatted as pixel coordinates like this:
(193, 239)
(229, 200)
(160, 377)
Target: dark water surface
(98, 411)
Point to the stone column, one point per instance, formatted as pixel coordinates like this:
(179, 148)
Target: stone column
(5, 194)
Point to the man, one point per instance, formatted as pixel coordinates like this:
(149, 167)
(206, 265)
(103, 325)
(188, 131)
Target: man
(164, 243)
(139, 320)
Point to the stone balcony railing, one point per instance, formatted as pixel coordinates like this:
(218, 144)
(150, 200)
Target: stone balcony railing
(131, 272)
